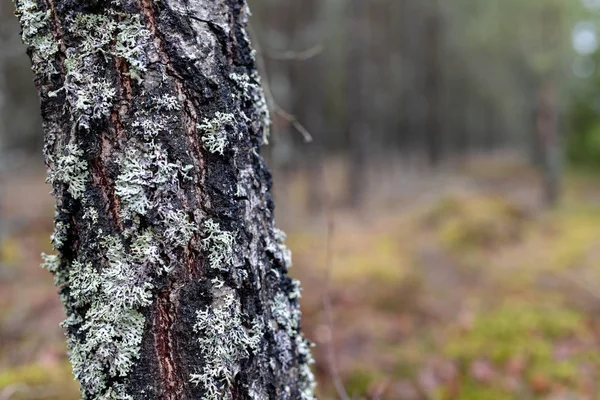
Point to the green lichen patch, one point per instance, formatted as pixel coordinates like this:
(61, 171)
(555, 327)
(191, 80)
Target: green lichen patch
(109, 333)
(144, 171)
(225, 342)
(95, 96)
(296, 292)
(252, 92)
(214, 132)
(36, 34)
(218, 244)
(308, 382)
(135, 175)
(131, 38)
(84, 282)
(279, 249)
(286, 314)
(98, 33)
(167, 102)
(59, 235)
(101, 38)
(70, 169)
(179, 229)
(52, 263)
(160, 114)
(112, 341)
(145, 249)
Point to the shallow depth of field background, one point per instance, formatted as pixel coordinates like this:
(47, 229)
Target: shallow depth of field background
(448, 206)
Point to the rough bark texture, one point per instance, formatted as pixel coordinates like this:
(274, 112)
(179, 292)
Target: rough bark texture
(172, 273)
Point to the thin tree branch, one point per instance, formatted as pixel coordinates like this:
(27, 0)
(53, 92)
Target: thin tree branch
(260, 63)
(291, 55)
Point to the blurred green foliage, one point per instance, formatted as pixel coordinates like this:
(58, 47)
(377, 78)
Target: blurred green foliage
(583, 139)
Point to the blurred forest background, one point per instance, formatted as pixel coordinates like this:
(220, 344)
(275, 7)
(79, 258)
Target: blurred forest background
(444, 219)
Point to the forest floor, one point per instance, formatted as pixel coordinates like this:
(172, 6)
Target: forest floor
(456, 285)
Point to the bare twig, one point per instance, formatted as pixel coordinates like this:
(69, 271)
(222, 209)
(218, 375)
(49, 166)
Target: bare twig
(8, 392)
(590, 287)
(294, 122)
(260, 63)
(292, 55)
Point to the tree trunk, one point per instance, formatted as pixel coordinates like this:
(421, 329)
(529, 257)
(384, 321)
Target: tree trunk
(433, 136)
(359, 133)
(548, 137)
(172, 273)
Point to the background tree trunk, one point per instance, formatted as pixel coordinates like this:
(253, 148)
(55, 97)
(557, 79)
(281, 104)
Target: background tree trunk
(433, 79)
(547, 132)
(359, 134)
(172, 273)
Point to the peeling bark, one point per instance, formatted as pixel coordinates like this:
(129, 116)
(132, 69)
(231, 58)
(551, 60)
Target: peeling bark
(172, 273)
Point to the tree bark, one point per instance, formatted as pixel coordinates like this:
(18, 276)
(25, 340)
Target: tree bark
(170, 268)
(433, 78)
(548, 138)
(359, 134)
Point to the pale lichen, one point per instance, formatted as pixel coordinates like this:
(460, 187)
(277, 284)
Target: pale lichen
(218, 244)
(307, 378)
(214, 132)
(116, 392)
(307, 383)
(110, 332)
(101, 36)
(84, 282)
(252, 92)
(91, 214)
(70, 169)
(131, 38)
(224, 342)
(150, 122)
(285, 313)
(59, 236)
(135, 174)
(168, 102)
(142, 171)
(122, 281)
(96, 96)
(36, 34)
(279, 249)
(52, 263)
(98, 32)
(296, 292)
(145, 249)
(179, 229)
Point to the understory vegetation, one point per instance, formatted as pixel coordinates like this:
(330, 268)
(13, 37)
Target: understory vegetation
(467, 291)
